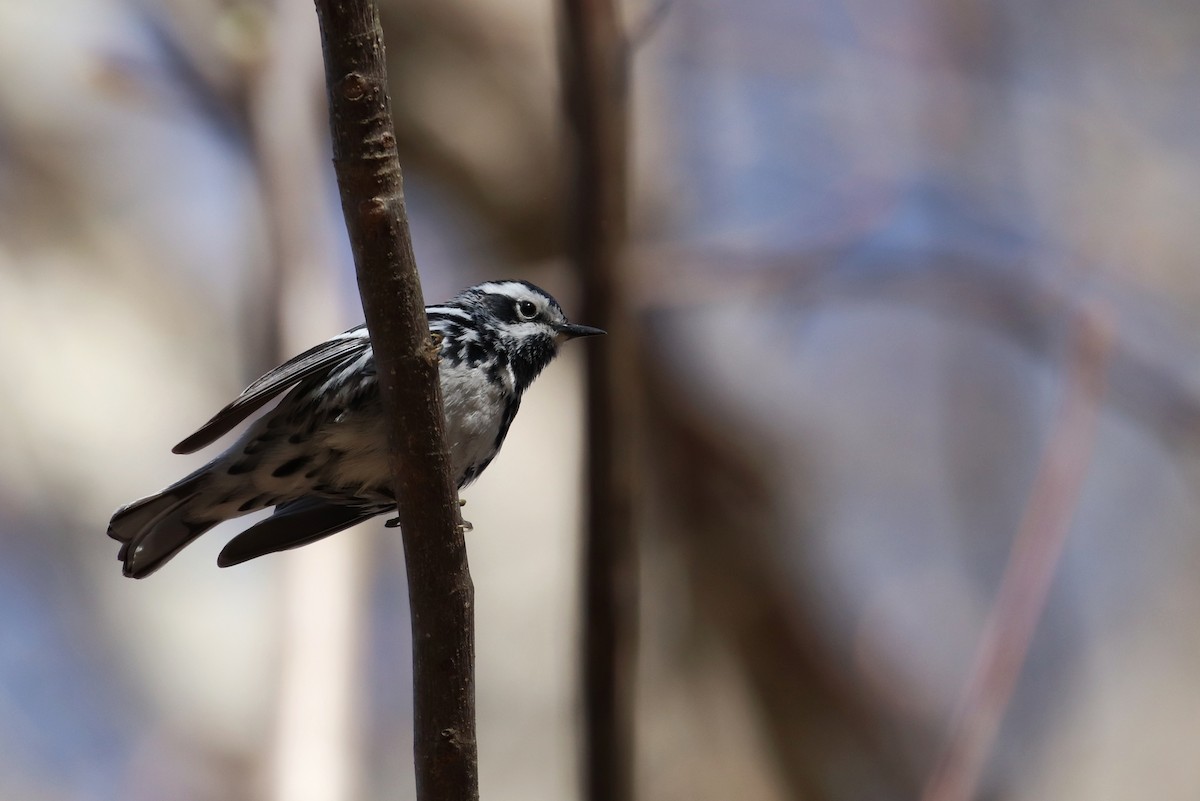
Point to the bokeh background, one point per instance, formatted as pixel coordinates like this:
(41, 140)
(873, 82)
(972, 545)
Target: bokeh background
(881, 253)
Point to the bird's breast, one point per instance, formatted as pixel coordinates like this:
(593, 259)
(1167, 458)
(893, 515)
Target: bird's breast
(475, 409)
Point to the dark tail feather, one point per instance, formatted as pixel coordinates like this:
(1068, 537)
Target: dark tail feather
(293, 524)
(154, 529)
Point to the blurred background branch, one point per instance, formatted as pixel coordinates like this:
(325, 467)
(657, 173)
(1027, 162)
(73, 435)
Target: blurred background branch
(594, 56)
(317, 732)
(715, 504)
(1036, 552)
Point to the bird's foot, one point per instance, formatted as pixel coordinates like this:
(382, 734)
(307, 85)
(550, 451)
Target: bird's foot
(463, 525)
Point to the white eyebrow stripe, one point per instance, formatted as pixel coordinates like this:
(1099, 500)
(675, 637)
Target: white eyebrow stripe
(506, 288)
(448, 311)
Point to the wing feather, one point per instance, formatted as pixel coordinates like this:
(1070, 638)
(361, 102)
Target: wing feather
(323, 358)
(293, 524)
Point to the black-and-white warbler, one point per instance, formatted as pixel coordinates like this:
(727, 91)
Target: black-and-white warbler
(320, 456)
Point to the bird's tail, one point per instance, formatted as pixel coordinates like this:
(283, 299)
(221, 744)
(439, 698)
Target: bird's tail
(154, 529)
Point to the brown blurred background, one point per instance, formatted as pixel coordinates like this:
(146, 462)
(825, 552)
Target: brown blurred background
(867, 238)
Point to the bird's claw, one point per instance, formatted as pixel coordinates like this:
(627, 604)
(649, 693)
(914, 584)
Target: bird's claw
(463, 525)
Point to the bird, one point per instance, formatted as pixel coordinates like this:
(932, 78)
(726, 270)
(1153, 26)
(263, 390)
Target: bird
(319, 457)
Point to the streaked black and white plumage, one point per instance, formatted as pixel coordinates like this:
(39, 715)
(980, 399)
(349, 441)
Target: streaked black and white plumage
(319, 457)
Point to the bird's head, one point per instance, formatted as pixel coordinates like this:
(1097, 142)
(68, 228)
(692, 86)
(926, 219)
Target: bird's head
(527, 323)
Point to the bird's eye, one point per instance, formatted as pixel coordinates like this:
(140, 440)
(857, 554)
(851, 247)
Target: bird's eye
(526, 309)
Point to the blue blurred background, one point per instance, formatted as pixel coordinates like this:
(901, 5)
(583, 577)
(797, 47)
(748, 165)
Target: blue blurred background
(863, 233)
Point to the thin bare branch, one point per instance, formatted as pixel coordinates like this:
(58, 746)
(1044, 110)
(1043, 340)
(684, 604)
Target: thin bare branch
(441, 594)
(1031, 567)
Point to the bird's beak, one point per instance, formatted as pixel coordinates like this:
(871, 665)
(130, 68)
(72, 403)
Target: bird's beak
(569, 331)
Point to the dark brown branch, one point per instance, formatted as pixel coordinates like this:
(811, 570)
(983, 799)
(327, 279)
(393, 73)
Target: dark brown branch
(441, 594)
(593, 54)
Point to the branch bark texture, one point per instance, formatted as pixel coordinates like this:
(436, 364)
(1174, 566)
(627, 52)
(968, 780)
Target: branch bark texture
(441, 594)
(595, 87)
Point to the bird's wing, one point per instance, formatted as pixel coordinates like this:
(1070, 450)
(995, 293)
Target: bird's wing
(321, 359)
(293, 524)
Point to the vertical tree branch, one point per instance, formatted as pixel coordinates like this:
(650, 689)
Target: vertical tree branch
(594, 68)
(441, 594)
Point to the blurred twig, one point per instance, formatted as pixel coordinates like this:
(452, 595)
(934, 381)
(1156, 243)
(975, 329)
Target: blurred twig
(1031, 566)
(595, 96)
(720, 489)
(1022, 305)
(315, 748)
(441, 594)
(645, 27)
(502, 83)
